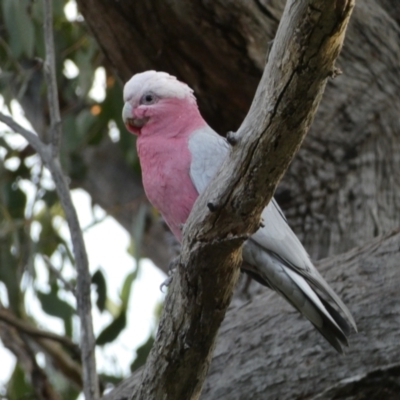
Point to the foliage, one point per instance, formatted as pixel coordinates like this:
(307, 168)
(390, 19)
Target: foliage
(30, 212)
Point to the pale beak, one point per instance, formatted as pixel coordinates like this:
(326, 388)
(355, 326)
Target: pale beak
(129, 119)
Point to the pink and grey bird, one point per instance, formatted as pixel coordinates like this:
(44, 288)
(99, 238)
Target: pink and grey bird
(179, 154)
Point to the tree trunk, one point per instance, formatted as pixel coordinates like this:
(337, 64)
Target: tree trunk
(265, 349)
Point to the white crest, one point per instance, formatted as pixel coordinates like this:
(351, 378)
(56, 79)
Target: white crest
(159, 83)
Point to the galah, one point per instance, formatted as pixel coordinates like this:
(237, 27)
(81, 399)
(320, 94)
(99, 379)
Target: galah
(179, 154)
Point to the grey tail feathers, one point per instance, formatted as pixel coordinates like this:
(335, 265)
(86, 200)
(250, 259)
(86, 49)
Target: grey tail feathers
(335, 329)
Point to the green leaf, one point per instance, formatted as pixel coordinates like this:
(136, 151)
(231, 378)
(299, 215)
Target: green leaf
(111, 332)
(77, 167)
(101, 288)
(15, 200)
(19, 26)
(18, 386)
(84, 61)
(127, 286)
(48, 237)
(138, 230)
(50, 198)
(141, 354)
(77, 130)
(56, 307)
(9, 273)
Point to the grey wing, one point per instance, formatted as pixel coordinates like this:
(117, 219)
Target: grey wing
(277, 237)
(208, 151)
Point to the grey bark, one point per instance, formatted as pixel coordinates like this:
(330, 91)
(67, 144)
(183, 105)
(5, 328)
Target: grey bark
(266, 350)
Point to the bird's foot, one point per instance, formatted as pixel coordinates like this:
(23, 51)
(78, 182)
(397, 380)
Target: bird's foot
(167, 282)
(171, 270)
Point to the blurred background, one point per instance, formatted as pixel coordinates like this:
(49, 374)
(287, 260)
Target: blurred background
(32, 223)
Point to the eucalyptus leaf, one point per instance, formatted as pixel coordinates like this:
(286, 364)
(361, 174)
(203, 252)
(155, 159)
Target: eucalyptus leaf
(111, 332)
(141, 353)
(19, 26)
(127, 286)
(15, 200)
(54, 306)
(18, 386)
(99, 281)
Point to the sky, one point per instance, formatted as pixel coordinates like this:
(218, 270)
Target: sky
(106, 243)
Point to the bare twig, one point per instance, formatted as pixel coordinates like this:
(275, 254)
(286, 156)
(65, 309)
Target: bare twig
(63, 361)
(51, 79)
(42, 149)
(53, 269)
(83, 283)
(30, 330)
(90, 379)
(17, 343)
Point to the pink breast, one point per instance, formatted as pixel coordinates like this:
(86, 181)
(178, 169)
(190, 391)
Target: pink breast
(166, 179)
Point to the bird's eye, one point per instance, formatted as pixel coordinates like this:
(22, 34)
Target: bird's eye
(148, 98)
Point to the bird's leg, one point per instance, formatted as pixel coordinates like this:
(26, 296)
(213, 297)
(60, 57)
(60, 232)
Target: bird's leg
(173, 265)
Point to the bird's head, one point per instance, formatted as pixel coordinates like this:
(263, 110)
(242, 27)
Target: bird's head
(157, 103)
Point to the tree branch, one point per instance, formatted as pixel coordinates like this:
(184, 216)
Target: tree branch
(51, 78)
(30, 330)
(70, 368)
(307, 43)
(26, 357)
(59, 276)
(41, 148)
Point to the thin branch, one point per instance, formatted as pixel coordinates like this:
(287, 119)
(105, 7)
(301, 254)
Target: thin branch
(30, 330)
(66, 364)
(59, 276)
(42, 149)
(90, 379)
(18, 344)
(51, 78)
(309, 39)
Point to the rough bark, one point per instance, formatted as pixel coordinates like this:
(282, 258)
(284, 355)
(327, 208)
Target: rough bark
(265, 349)
(340, 190)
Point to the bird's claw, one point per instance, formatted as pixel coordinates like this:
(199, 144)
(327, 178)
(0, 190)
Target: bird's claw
(168, 281)
(171, 270)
